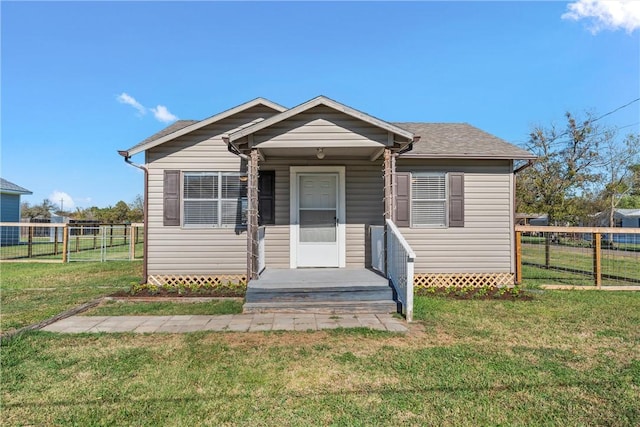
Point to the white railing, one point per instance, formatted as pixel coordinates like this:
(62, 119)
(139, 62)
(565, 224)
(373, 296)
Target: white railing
(261, 262)
(400, 259)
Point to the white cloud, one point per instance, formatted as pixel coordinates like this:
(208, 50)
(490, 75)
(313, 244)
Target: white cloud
(606, 14)
(161, 113)
(125, 98)
(62, 199)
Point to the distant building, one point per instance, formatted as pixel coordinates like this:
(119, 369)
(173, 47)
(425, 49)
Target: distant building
(10, 210)
(532, 219)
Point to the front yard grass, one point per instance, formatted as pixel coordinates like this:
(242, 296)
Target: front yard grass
(32, 292)
(565, 358)
(133, 308)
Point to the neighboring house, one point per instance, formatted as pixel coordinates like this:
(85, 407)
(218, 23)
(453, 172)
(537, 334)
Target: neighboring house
(628, 218)
(10, 211)
(321, 174)
(531, 219)
(624, 218)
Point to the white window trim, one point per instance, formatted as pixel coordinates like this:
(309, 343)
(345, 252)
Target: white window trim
(219, 199)
(446, 200)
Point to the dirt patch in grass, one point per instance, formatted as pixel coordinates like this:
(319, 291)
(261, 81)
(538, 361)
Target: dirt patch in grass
(476, 293)
(172, 292)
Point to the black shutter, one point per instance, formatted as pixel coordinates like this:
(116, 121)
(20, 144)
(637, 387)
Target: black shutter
(456, 199)
(267, 197)
(171, 197)
(403, 199)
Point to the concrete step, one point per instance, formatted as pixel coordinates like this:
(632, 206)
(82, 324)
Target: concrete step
(319, 295)
(322, 307)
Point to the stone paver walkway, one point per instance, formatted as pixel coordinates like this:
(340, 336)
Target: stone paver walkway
(230, 322)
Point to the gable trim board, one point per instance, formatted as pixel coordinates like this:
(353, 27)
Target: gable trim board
(477, 237)
(143, 146)
(315, 102)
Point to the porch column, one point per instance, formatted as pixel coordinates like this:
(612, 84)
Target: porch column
(388, 189)
(252, 215)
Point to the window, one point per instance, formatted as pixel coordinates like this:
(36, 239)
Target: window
(217, 199)
(266, 197)
(428, 200)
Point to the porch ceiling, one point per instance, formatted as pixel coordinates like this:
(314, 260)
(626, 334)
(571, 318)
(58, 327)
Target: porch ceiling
(330, 152)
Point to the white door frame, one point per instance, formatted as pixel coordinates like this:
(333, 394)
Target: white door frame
(295, 220)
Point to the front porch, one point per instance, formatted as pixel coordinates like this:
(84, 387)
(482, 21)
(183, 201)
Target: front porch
(320, 290)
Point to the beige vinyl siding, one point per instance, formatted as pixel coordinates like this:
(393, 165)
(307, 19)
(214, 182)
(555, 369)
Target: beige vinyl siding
(321, 125)
(178, 250)
(364, 207)
(485, 243)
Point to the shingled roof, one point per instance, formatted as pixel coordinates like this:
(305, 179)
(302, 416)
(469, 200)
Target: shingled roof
(10, 187)
(173, 127)
(459, 140)
(437, 140)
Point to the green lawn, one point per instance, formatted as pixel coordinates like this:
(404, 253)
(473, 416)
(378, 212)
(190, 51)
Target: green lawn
(565, 358)
(132, 308)
(32, 292)
(614, 263)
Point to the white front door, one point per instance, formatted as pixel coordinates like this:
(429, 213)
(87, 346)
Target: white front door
(319, 233)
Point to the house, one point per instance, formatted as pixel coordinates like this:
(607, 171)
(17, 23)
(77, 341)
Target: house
(262, 186)
(625, 218)
(10, 211)
(628, 218)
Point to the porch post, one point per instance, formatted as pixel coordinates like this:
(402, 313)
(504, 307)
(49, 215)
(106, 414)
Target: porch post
(388, 190)
(252, 216)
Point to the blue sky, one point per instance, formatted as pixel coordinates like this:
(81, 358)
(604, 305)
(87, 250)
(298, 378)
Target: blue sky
(501, 66)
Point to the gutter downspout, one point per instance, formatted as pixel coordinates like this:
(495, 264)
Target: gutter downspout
(232, 149)
(515, 218)
(145, 212)
(523, 167)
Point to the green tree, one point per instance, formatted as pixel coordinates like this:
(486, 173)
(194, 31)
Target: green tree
(136, 209)
(43, 210)
(566, 167)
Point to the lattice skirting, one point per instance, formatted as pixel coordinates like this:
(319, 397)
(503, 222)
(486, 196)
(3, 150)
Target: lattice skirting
(195, 279)
(425, 280)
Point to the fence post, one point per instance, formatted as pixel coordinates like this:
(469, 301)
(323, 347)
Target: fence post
(518, 257)
(55, 240)
(111, 236)
(65, 242)
(597, 260)
(547, 250)
(132, 242)
(30, 241)
(125, 234)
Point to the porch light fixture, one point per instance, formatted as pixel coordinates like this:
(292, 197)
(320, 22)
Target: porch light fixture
(320, 153)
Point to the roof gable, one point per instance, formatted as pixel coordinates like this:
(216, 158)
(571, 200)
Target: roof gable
(459, 140)
(320, 100)
(183, 127)
(8, 187)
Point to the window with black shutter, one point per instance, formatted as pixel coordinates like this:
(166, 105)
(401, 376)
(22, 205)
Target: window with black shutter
(267, 197)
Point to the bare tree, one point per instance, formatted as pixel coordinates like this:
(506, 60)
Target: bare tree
(619, 160)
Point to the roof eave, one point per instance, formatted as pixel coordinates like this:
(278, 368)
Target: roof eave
(187, 129)
(467, 156)
(16, 192)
